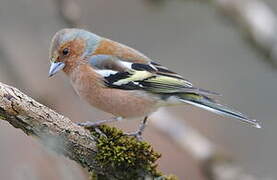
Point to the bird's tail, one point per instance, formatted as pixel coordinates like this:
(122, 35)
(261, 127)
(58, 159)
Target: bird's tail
(207, 103)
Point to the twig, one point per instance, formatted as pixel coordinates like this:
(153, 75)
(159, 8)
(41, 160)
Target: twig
(256, 20)
(214, 164)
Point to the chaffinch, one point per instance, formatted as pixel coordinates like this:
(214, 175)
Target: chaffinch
(122, 81)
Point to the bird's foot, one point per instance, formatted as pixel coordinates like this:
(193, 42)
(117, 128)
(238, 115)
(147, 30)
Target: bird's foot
(136, 134)
(92, 125)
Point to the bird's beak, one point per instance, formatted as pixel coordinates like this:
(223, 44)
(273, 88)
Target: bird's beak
(55, 67)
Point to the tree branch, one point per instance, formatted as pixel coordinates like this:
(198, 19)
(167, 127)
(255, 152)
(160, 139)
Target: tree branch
(92, 150)
(214, 164)
(62, 135)
(256, 20)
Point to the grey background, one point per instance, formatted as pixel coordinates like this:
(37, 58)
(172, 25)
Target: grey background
(189, 37)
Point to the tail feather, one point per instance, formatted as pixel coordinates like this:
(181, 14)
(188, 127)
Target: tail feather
(208, 104)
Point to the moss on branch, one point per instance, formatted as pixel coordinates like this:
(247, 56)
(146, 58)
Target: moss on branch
(125, 155)
(104, 150)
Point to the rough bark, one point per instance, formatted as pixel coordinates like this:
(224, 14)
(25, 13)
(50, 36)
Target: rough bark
(52, 128)
(60, 133)
(65, 137)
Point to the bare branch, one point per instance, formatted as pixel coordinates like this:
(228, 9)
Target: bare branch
(80, 145)
(256, 20)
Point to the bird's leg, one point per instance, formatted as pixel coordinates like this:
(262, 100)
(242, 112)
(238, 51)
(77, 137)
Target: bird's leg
(138, 133)
(90, 125)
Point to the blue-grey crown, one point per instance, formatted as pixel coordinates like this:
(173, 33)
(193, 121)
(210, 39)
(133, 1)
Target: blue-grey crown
(92, 40)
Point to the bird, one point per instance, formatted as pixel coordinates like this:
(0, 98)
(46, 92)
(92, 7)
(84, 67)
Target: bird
(123, 82)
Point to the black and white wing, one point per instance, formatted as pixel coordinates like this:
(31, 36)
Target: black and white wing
(148, 76)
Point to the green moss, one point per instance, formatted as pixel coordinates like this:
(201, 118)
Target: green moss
(2, 114)
(2, 117)
(124, 155)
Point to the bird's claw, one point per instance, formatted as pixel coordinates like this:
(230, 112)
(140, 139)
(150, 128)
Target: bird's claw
(92, 125)
(137, 135)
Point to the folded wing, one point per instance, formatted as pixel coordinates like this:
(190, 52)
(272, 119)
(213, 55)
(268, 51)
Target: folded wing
(148, 76)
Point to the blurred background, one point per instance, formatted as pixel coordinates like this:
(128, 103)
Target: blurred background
(189, 36)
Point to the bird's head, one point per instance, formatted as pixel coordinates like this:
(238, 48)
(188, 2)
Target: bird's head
(69, 46)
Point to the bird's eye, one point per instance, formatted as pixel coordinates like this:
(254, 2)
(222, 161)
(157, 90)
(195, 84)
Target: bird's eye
(65, 51)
